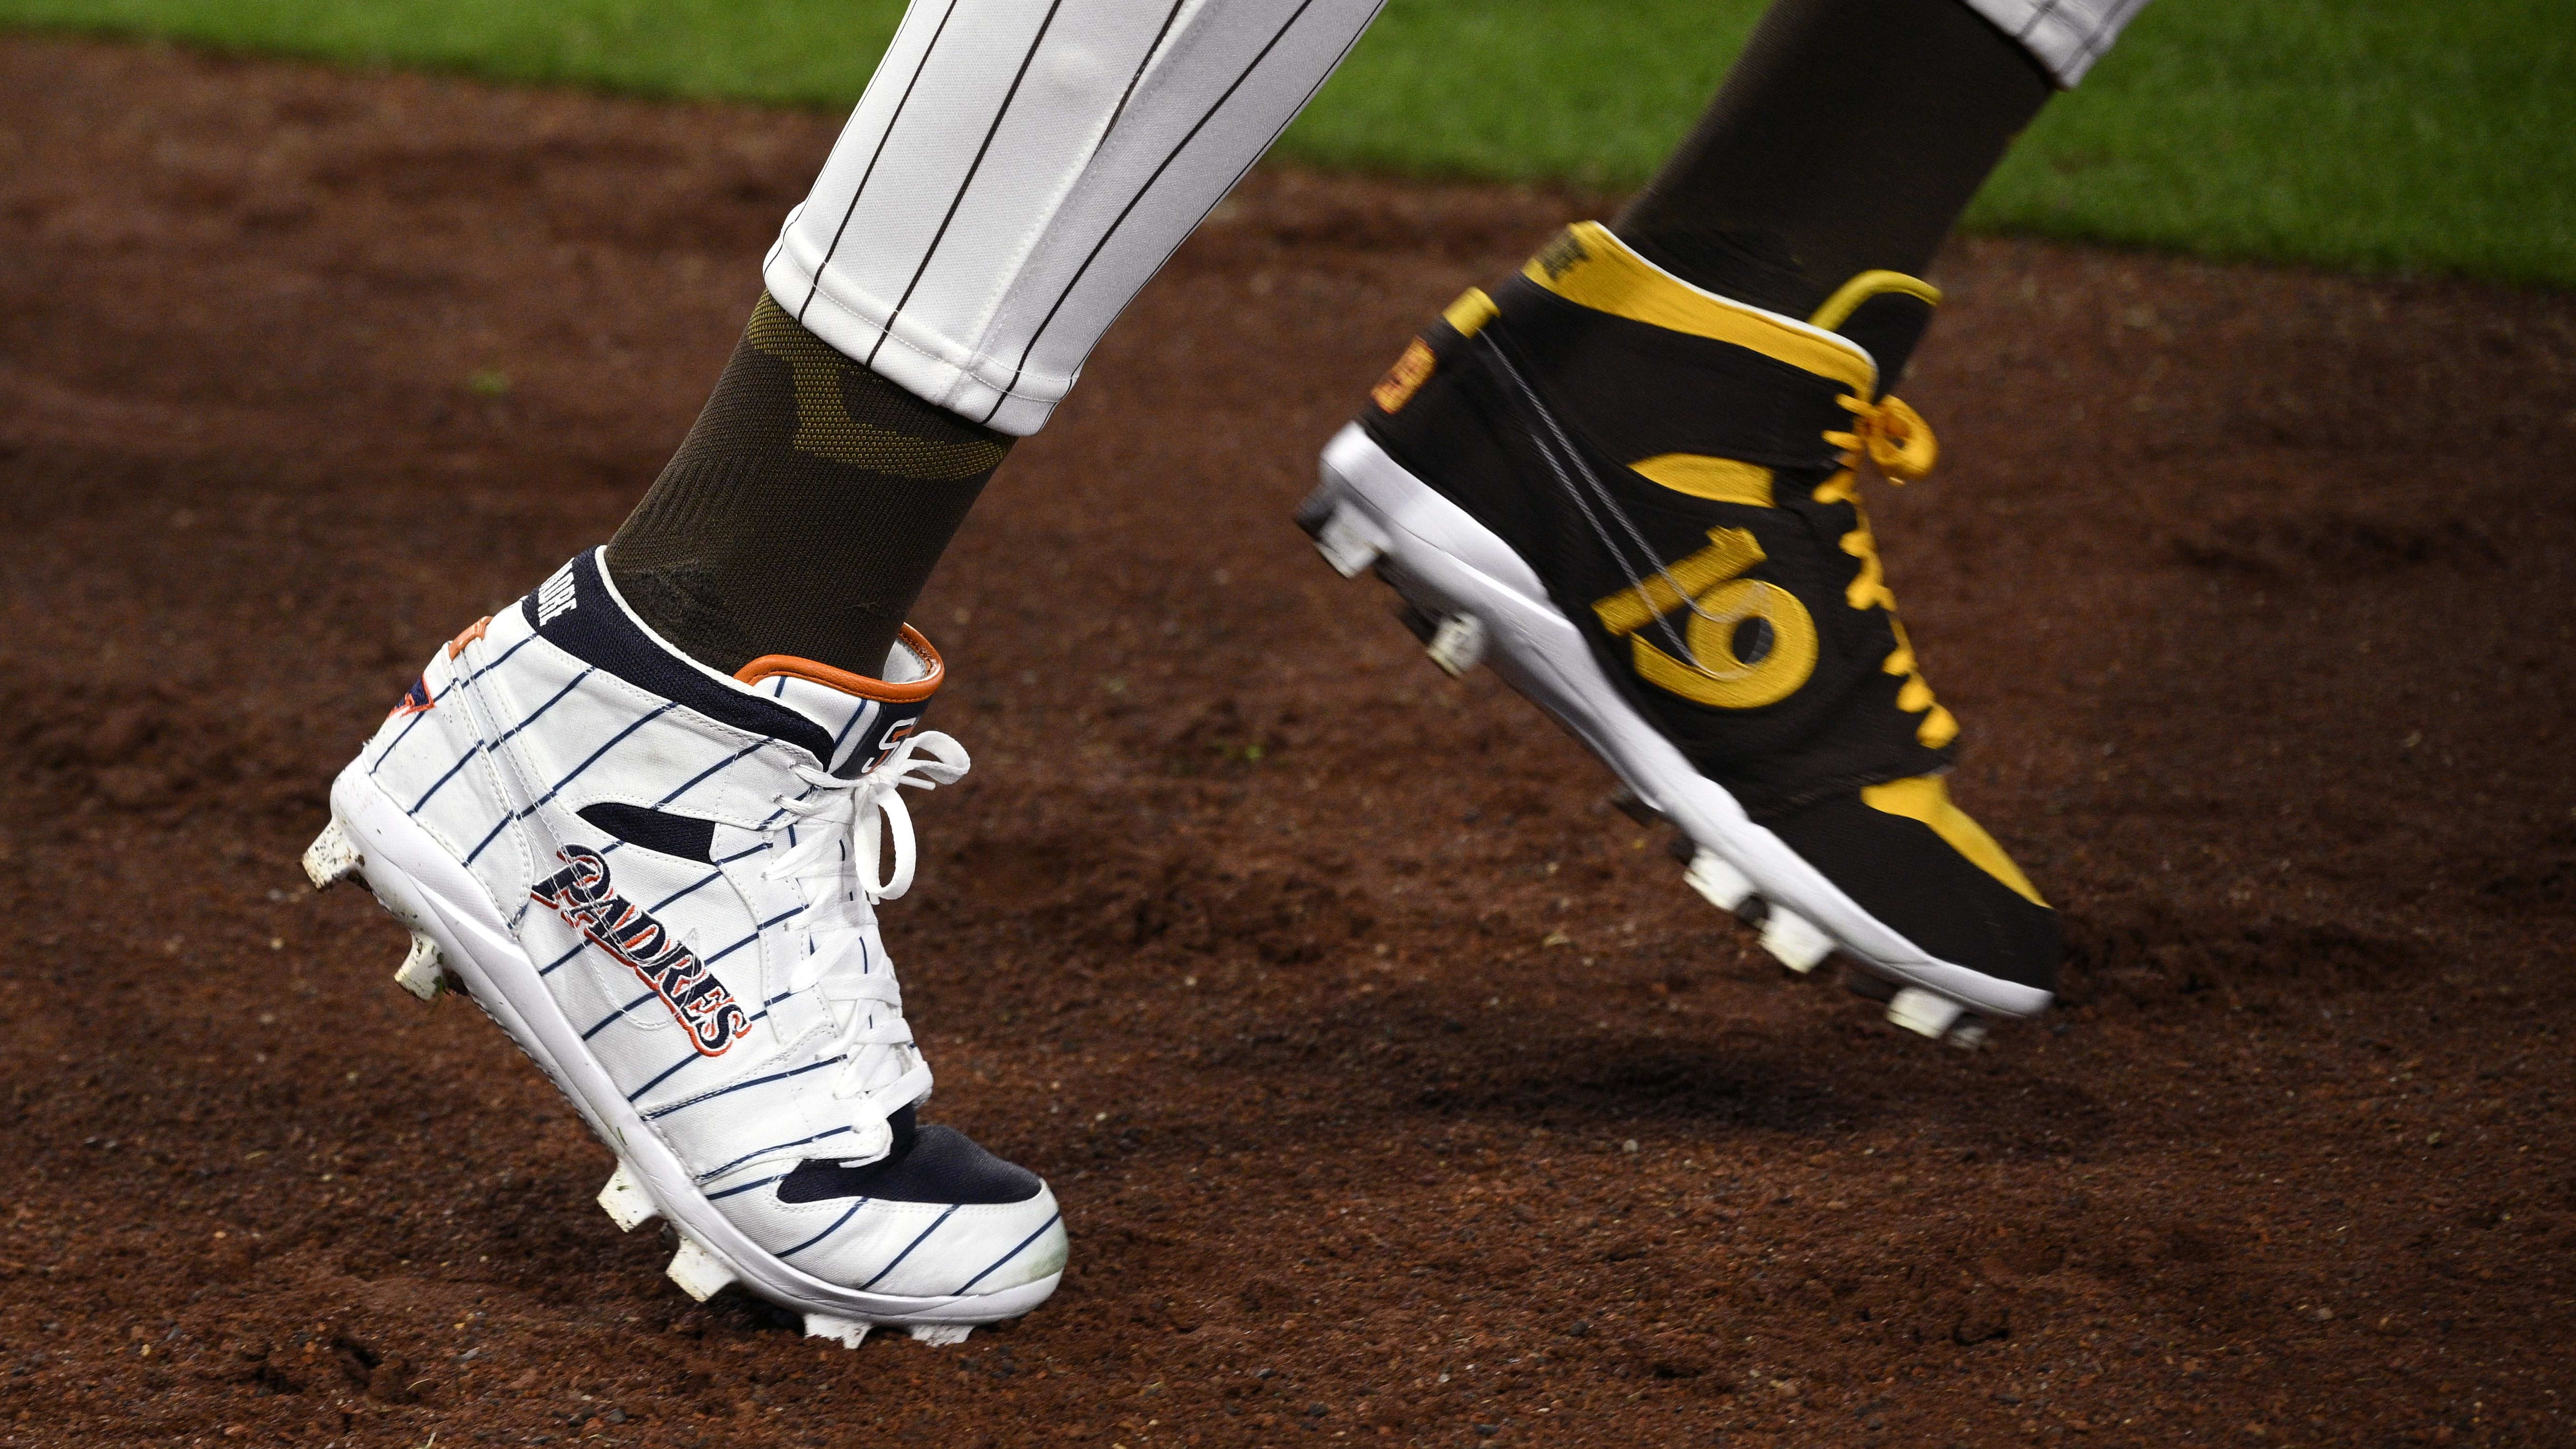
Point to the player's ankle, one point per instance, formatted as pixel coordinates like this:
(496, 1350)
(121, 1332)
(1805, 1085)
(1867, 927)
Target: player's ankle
(804, 511)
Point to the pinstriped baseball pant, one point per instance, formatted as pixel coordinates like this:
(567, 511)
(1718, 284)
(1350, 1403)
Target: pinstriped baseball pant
(1018, 169)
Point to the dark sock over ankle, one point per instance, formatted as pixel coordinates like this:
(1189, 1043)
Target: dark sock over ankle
(1848, 137)
(804, 511)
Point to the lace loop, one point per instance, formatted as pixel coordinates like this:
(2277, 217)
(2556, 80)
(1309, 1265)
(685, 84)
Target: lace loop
(1899, 443)
(882, 1072)
(1891, 435)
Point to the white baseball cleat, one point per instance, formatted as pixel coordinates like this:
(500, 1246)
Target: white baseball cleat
(661, 881)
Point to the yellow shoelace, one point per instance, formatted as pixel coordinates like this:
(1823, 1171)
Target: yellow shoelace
(1897, 442)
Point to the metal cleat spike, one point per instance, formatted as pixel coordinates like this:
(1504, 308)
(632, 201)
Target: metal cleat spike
(940, 1335)
(847, 1332)
(701, 1274)
(1349, 543)
(422, 974)
(625, 1201)
(1458, 645)
(1968, 1035)
(1794, 939)
(1723, 885)
(1923, 1012)
(331, 858)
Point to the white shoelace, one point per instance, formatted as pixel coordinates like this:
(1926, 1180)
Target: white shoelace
(836, 850)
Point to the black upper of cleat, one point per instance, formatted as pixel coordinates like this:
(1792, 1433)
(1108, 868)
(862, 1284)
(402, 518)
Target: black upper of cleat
(928, 1164)
(1903, 873)
(1559, 426)
(1624, 391)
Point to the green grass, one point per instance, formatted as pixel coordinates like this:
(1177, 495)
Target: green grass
(2428, 135)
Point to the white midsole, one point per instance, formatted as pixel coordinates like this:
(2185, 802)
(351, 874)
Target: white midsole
(428, 889)
(1444, 562)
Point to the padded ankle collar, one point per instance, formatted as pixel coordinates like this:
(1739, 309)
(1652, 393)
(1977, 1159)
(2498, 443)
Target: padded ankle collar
(1589, 267)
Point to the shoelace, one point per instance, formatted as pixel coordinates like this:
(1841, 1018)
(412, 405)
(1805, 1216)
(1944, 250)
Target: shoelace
(837, 845)
(1897, 442)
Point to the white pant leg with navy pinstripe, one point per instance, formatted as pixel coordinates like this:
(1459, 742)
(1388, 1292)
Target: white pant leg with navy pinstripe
(2065, 36)
(1019, 168)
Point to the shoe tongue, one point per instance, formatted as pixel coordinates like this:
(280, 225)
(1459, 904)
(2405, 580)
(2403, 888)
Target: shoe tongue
(865, 717)
(1884, 312)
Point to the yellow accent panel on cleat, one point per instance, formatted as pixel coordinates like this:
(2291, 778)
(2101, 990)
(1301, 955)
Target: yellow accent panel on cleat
(1730, 552)
(1405, 378)
(1469, 314)
(1720, 480)
(1719, 602)
(1715, 675)
(1847, 298)
(1588, 266)
(1927, 798)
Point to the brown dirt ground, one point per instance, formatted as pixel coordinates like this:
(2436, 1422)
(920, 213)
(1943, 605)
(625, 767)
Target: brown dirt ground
(2252, 586)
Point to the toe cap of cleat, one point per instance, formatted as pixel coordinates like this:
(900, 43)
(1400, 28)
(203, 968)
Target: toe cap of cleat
(936, 1165)
(1915, 880)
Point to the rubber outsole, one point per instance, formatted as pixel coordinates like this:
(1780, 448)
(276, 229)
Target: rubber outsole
(458, 940)
(1472, 599)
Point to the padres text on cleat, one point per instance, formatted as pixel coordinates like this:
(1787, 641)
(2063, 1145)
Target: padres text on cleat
(1645, 498)
(662, 882)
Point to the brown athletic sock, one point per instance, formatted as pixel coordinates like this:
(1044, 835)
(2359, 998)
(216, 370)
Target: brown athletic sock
(804, 511)
(1847, 138)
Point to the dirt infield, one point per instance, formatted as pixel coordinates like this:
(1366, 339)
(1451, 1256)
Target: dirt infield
(1396, 1089)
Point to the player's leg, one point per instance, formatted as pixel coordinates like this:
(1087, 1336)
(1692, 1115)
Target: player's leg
(1628, 478)
(1016, 171)
(637, 814)
(1848, 137)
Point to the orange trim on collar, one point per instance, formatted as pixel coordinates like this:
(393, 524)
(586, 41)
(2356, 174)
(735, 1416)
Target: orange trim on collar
(770, 666)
